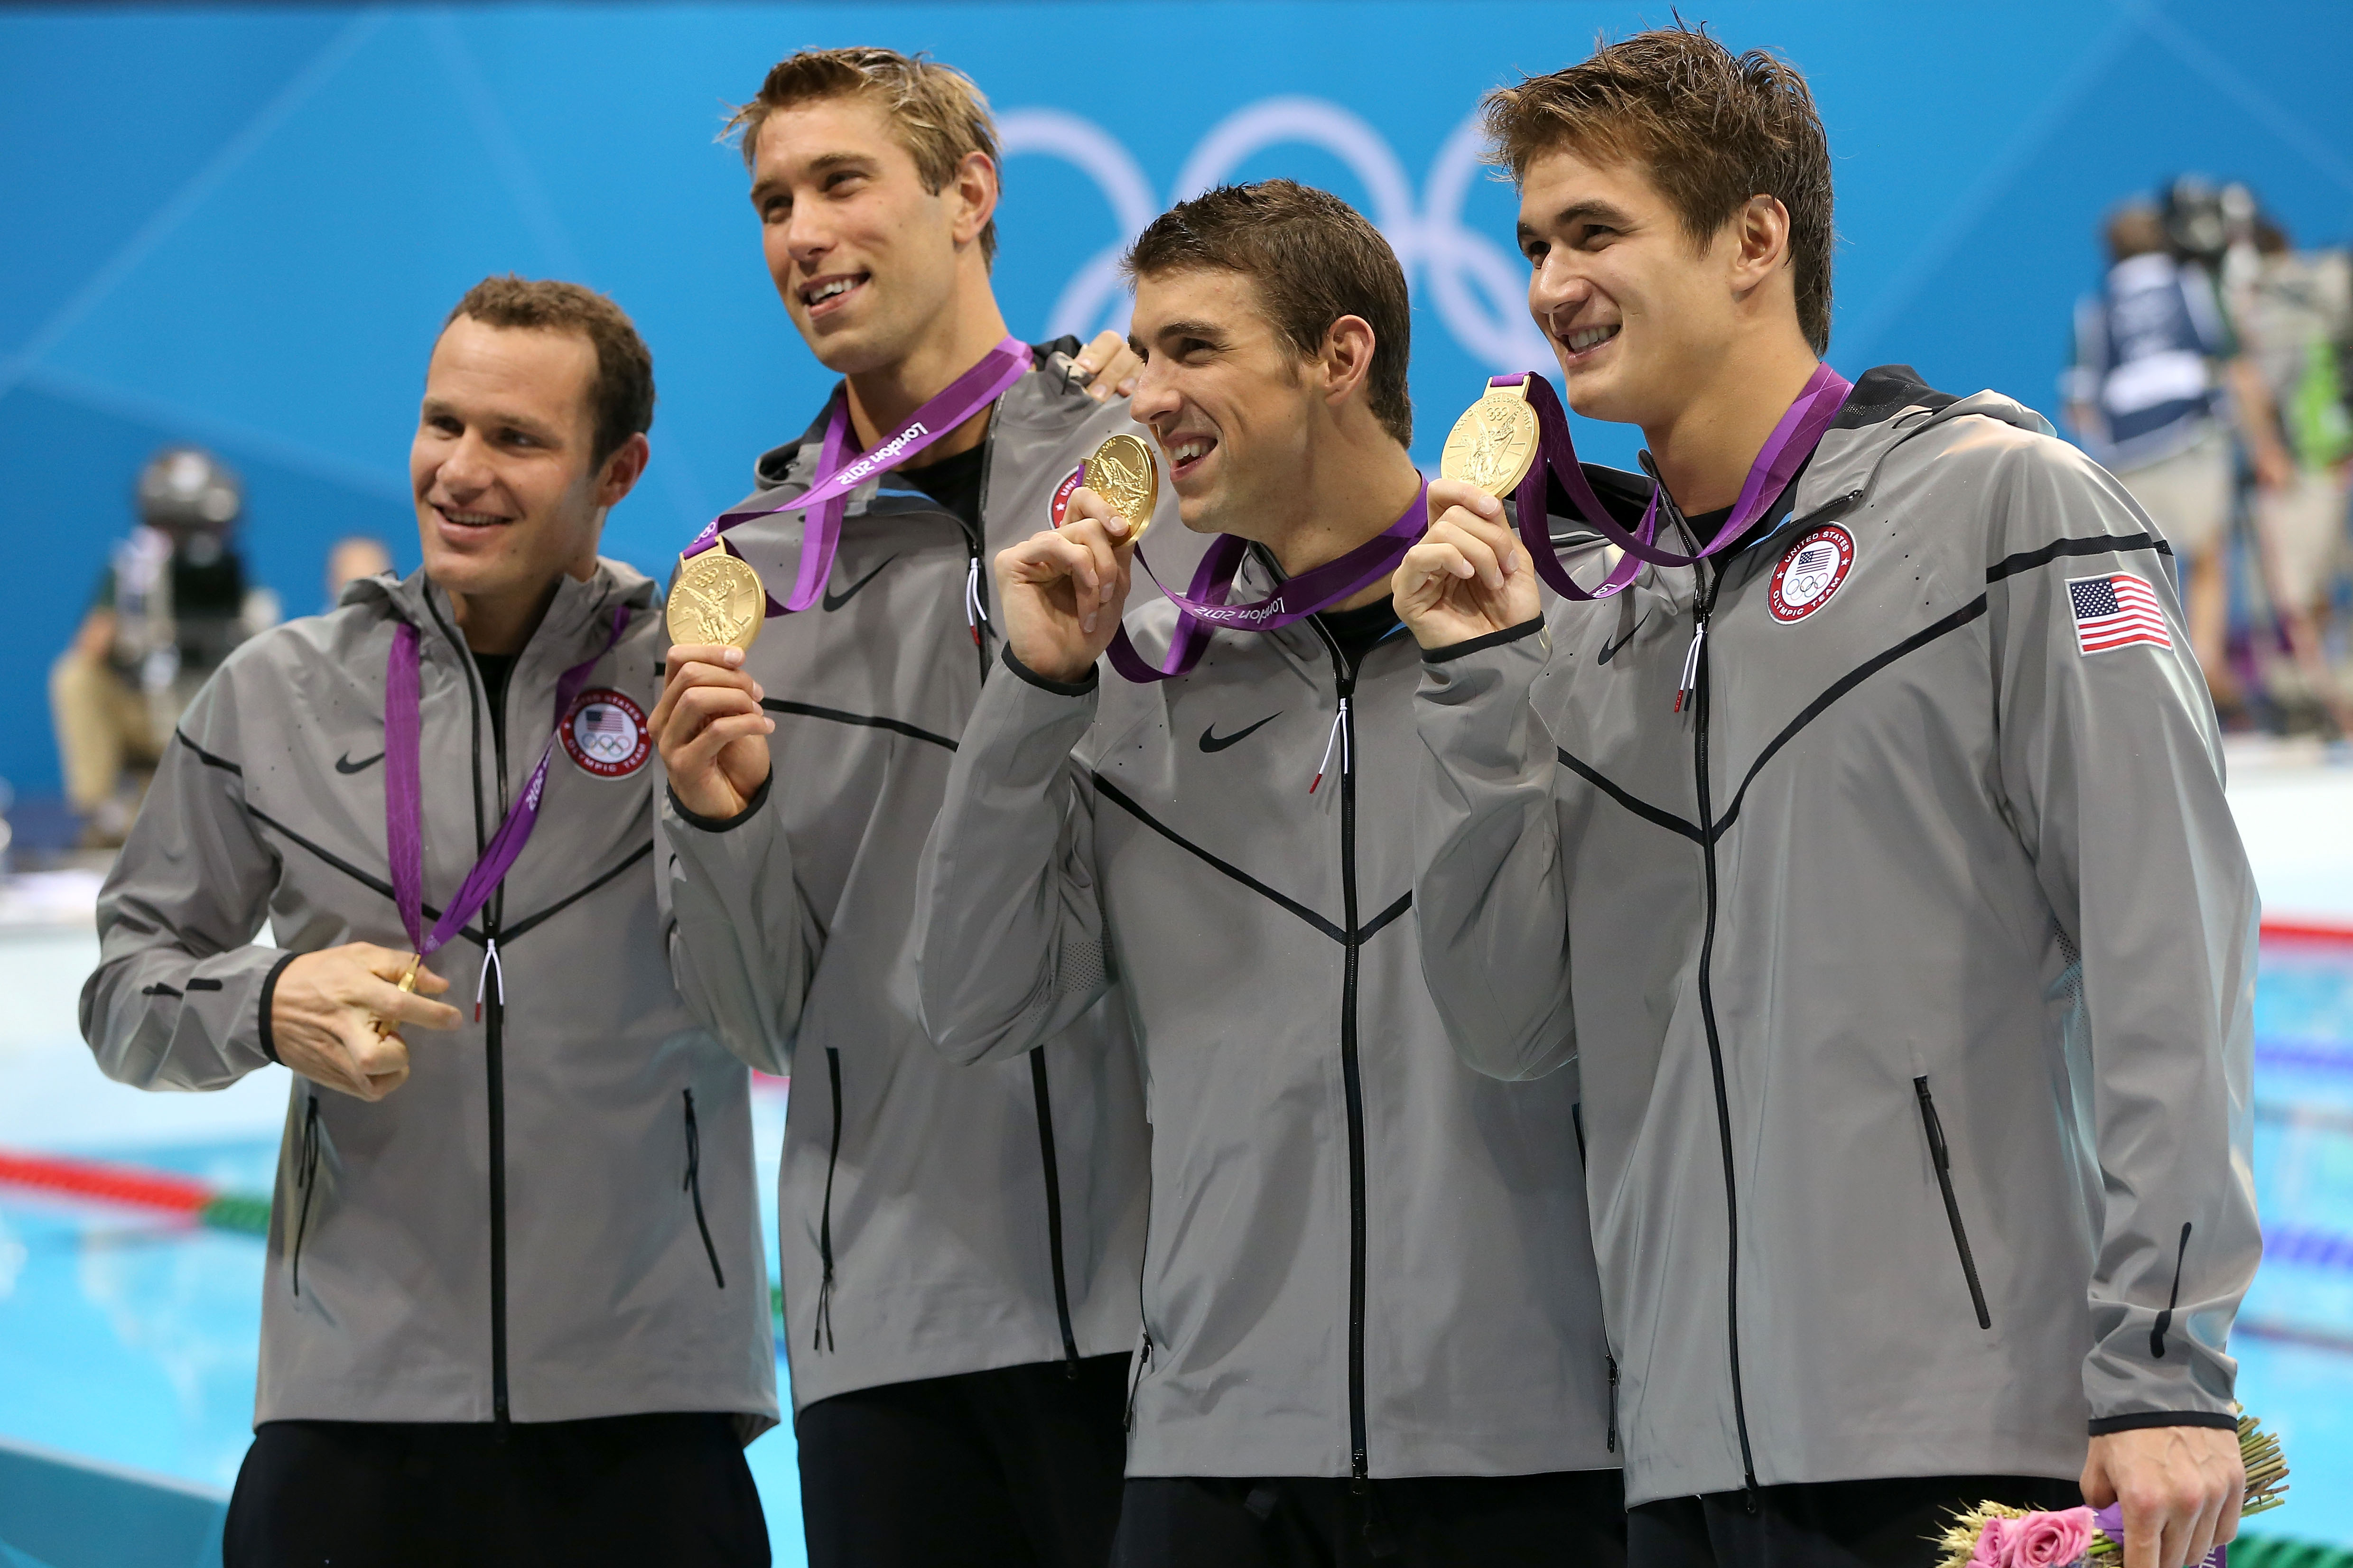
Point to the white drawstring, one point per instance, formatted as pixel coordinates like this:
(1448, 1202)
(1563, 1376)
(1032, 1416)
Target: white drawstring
(1690, 665)
(490, 961)
(975, 613)
(1339, 738)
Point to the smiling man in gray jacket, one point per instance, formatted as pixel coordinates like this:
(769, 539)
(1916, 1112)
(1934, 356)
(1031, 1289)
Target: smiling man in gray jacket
(1371, 1322)
(515, 1309)
(958, 1247)
(1876, 873)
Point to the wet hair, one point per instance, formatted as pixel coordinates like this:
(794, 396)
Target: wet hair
(1313, 258)
(941, 118)
(1712, 129)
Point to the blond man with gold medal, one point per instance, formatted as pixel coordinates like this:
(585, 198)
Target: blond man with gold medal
(958, 1245)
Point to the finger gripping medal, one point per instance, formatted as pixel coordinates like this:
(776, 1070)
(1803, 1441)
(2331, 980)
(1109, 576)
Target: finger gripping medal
(1124, 473)
(718, 600)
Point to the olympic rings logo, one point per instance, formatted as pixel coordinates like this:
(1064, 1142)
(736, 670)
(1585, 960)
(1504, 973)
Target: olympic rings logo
(1475, 285)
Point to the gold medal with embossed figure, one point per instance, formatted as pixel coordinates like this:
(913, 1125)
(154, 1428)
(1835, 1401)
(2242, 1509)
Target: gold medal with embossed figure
(1494, 442)
(1124, 473)
(716, 600)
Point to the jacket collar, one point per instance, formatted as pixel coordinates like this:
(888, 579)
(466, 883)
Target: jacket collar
(577, 623)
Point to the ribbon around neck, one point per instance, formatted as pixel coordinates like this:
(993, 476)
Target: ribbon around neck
(403, 794)
(1793, 441)
(1203, 607)
(840, 472)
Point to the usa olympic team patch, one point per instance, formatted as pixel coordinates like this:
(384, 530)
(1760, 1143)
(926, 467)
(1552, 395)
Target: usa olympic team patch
(606, 734)
(1063, 491)
(1810, 572)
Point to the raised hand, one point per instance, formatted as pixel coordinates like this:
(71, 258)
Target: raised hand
(710, 730)
(1469, 574)
(1062, 591)
(327, 1009)
(1109, 366)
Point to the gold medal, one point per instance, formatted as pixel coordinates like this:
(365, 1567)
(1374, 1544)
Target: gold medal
(1494, 442)
(716, 600)
(1124, 473)
(407, 983)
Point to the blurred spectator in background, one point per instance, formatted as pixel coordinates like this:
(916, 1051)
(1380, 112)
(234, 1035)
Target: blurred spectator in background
(354, 556)
(2295, 312)
(170, 605)
(2153, 355)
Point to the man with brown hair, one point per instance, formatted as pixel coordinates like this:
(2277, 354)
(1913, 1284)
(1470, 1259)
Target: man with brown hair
(1874, 871)
(1371, 1330)
(958, 1247)
(516, 1308)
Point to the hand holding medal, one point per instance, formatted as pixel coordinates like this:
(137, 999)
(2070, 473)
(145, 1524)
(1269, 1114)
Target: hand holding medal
(1470, 576)
(1063, 591)
(336, 1017)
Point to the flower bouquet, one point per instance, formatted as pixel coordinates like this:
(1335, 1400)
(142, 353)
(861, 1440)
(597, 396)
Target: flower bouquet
(1995, 1535)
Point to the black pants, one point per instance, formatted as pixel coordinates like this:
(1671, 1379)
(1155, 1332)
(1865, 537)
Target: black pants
(1018, 1467)
(1573, 1518)
(1825, 1524)
(633, 1489)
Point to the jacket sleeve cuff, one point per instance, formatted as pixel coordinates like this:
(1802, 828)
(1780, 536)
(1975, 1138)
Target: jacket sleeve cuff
(1528, 628)
(2222, 1420)
(722, 824)
(1045, 683)
(270, 995)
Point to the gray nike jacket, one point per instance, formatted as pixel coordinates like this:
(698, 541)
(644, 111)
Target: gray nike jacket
(554, 1217)
(1908, 969)
(933, 1220)
(1363, 1259)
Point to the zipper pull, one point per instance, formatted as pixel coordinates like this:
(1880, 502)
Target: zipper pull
(1690, 682)
(976, 613)
(489, 964)
(1339, 739)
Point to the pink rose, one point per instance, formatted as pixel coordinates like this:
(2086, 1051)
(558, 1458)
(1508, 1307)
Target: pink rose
(1992, 1537)
(2050, 1539)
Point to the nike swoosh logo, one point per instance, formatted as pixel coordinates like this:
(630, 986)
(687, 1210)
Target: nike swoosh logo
(1609, 649)
(1213, 742)
(835, 601)
(344, 764)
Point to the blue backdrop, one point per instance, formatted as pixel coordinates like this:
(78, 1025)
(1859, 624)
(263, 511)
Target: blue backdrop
(243, 227)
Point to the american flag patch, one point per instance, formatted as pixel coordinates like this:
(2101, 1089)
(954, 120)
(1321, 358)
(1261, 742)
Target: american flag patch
(2115, 610)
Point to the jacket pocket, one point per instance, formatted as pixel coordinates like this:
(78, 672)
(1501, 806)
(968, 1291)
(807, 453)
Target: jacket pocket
(693, 1183)
(306, 1177)
(1943, 1158)
(821, 1337)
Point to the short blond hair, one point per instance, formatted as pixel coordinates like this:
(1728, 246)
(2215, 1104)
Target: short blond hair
(939, 113)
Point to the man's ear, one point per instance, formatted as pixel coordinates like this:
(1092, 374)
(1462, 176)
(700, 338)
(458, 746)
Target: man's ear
(622, 471)
(974, 188)
(1760, 233)
(1347, 357)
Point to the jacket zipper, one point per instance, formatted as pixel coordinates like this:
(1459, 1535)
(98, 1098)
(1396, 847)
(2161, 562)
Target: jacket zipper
(1351, 1067)
(693, 1183)
(306, 1176)
(495, 1070)
(1941, 1155)
(1703, 604)
(1053, 1208)
(821, 1335)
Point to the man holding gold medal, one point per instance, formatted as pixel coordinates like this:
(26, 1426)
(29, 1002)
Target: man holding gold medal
(1371, 1330)
(515, 1307)
(959, 1246)
(1858, 834)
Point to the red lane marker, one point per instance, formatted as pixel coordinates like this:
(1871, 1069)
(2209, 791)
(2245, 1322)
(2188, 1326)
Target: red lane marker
(114, 1184)
(2307, 930)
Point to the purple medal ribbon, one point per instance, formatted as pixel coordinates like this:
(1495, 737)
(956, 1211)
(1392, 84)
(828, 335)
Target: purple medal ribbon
(2111, 1521)
(1784, 451)
(1203, 607)
(962, 398)
(404, 795)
